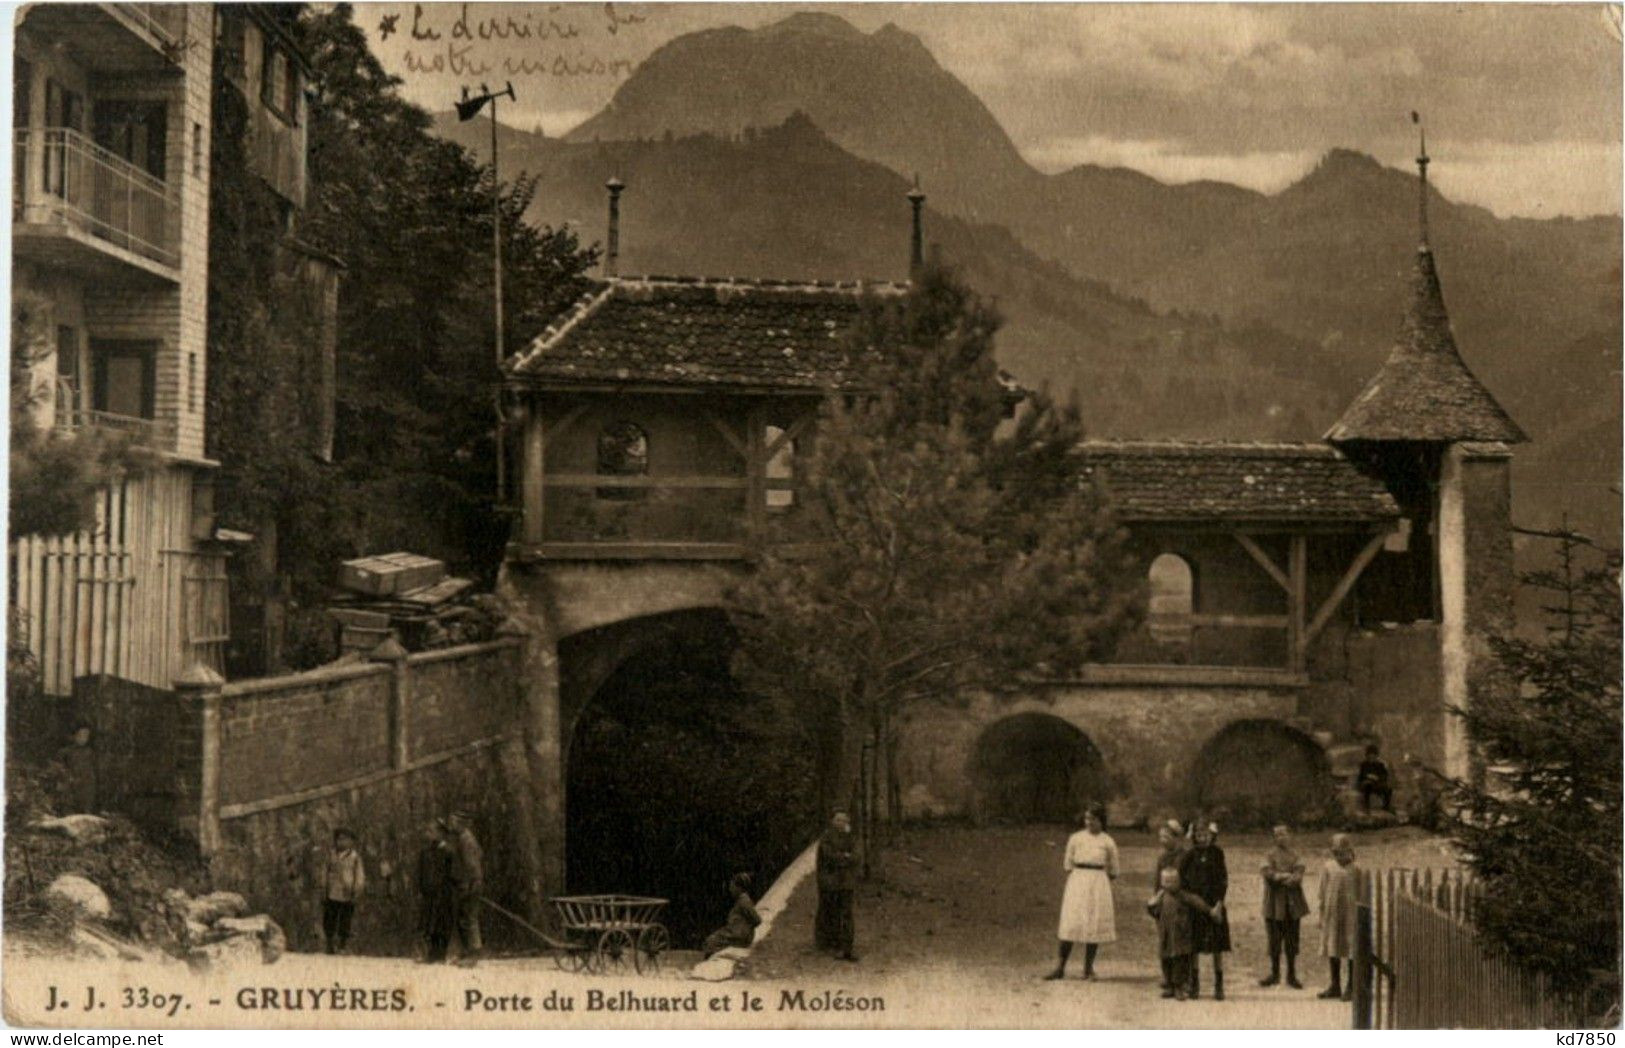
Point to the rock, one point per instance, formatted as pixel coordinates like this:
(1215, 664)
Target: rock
(85, 829)
(273, 943)
(238, 951)
(88, 945)
(733, 953)
(106, 946)
(207, 909)
(714, 969)
(85, 897)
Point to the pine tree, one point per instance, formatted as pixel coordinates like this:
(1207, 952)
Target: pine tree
(951, 548)
(1541, 825)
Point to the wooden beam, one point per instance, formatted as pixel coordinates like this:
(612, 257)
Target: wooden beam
(1265, 561)
(531, 490)
(609, 480)
(1344, 586)
(636, 551)
(1233, 621)
(756, 472)
(565, 421)
(727, 432)
(1297, 598)
(791, 433)
(1217, 676)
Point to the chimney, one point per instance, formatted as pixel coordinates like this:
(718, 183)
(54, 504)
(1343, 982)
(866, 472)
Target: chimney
(612, 251)
(916, 245)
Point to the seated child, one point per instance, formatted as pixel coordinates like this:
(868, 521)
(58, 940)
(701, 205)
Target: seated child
(1173, 907)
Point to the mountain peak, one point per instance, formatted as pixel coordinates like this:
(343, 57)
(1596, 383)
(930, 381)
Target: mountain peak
(812, 23)
(1341, 159)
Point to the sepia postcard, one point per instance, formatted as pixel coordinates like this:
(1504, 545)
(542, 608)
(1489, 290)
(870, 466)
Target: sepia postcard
(837, 516)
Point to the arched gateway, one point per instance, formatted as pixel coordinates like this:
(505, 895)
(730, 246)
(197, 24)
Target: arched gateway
(1325, 592)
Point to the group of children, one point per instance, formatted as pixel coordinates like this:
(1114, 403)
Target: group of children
(1189, 908)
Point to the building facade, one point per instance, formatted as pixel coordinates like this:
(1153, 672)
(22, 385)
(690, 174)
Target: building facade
(1306, 600)
(113, 115)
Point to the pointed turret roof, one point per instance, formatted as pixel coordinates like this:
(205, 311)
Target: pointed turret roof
(1425, 391)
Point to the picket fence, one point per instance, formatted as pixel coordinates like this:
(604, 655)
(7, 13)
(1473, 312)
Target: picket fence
(129, 597)
(1420, 965)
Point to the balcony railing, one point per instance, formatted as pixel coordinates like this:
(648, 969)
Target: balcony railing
(72, 415)
(60, 177)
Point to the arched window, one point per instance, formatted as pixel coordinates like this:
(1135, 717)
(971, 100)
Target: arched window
(623, 451)
(780, 467)
(1173, 599)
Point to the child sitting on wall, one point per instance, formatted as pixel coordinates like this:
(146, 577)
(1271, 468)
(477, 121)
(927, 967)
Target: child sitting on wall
(1173, 907)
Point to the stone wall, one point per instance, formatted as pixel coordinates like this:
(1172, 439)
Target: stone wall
(1150, 738)
(273, 856)
(1386, 691)
(285, 735)
(260, 773)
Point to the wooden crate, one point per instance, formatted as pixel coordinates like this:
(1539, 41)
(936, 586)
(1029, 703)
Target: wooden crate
(360, 617)
(390, 573)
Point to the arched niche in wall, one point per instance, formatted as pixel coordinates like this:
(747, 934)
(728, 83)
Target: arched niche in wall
(623, 451)
(1173, 599)
(780, 467)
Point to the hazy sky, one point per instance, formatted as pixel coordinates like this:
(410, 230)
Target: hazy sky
(1522, 101)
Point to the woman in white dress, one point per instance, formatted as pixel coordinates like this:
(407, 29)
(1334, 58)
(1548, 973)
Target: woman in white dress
(1087, 914)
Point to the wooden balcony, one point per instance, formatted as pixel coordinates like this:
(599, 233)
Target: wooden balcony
(72, 415)
(78, 205)
(121, 39)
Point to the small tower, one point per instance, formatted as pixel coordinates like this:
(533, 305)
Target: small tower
(1440, 441)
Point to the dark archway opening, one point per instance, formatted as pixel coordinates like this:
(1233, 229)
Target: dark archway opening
(1032, 767)
(1259, 772)
(676, 779)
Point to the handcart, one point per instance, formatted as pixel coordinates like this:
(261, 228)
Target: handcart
(610, 934)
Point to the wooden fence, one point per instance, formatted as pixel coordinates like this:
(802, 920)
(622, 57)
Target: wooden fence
(131, 597)
(1420, 965)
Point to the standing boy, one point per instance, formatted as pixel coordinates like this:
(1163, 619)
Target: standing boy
(342, 882)
(1284, 907)
(1175, 909)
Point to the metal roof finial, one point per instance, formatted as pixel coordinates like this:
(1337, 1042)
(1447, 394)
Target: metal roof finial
(1422, 160)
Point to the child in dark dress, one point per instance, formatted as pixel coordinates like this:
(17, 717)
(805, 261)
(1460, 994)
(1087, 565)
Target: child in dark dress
(1174, 908)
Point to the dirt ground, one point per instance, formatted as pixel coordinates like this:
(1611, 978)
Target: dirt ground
(956, 933)
(977, 907)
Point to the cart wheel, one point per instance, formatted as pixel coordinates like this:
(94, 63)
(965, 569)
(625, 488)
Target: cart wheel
(617, 952)
(652, 942)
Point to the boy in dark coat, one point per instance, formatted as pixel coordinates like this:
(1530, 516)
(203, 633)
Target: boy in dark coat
(436, 901)
(1175, 910)
(837, 880)
(1375, 780)
(78, 760)
(1202, 871)
(1284, 907)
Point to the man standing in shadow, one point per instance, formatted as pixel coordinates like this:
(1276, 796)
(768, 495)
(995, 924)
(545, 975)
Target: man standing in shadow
(837, 880)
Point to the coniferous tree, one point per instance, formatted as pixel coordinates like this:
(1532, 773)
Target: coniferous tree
(942, 546)
(1541, 826)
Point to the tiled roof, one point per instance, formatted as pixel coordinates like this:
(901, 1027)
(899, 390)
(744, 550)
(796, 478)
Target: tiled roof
(1425, 390)
(1193, 480)
(691, 331)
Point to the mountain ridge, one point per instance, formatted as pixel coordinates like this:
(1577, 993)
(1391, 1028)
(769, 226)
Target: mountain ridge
(1320, 265)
